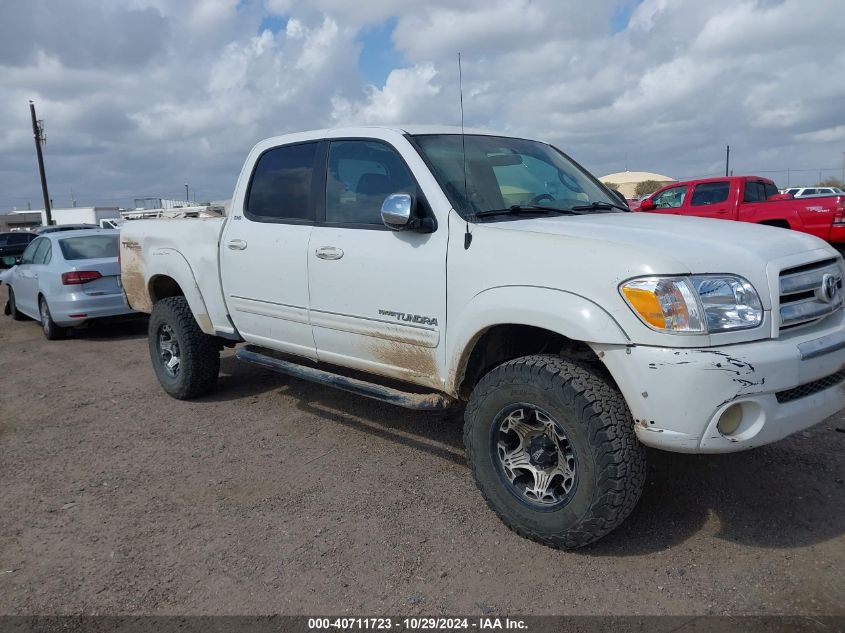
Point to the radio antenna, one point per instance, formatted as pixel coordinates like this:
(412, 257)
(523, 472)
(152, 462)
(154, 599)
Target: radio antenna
(467, 234)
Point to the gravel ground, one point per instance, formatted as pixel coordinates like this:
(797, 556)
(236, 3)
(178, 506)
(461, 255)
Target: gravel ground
(279, 496)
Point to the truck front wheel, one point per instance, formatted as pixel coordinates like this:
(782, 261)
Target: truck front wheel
(552, 446)
(186, 359)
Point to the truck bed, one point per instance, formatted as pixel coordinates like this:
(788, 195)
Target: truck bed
(187, 245)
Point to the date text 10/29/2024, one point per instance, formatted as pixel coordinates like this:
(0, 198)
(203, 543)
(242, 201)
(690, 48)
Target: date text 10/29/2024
(416, 624)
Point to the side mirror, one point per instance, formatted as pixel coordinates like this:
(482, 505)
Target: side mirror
(18, 260)
(396, 211)
(647, 205)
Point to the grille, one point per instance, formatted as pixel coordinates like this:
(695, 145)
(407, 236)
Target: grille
(808, 389)
(802, 300)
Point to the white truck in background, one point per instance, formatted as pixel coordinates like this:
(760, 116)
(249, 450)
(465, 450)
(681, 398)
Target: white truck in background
(430, 268)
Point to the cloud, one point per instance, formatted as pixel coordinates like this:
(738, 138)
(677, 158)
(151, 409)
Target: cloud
(140, 96)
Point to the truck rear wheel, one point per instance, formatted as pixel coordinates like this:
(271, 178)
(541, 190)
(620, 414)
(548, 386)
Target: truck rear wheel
(552, 446)
(186, 360)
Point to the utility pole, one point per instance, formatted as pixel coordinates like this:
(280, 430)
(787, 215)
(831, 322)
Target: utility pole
(843, 169)
(187, 198)
(727, 159)
(38, 132)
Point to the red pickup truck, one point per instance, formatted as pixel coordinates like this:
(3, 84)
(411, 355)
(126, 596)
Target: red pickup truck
(751, 199)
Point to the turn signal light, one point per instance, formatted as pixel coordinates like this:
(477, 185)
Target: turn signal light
(79, 277)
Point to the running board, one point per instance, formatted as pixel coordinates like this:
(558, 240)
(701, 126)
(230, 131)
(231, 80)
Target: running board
(409, 400)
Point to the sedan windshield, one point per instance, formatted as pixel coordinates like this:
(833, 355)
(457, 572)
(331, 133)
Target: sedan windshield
(510, 175)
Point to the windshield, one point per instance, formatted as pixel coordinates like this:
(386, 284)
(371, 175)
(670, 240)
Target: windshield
(503, 172)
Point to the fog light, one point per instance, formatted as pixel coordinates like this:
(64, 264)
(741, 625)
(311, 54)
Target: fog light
(730, 420)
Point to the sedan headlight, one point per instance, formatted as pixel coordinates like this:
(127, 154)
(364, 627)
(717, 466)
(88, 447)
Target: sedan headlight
(694, 305)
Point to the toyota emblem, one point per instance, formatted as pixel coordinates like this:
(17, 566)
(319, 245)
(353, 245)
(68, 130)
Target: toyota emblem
(830, 288)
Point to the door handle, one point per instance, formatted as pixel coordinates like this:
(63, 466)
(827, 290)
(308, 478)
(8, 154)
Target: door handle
(236, 245)
(329, 252)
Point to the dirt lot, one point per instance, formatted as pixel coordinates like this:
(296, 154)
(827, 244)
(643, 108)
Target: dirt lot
(276, 495)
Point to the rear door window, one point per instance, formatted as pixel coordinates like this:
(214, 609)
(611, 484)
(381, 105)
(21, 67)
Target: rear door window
(44, 253)
(40, 251)
(89, 247)
(281, 186)
(710, 193)
(808, 192)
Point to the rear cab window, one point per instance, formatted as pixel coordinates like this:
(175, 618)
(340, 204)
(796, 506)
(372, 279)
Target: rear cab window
(758, 191)
(755, 191)
(89, 247)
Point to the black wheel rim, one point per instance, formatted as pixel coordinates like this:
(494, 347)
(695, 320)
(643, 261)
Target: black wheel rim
(534, 457)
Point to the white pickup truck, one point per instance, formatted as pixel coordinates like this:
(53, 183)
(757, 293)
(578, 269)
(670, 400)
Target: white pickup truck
(430, 268)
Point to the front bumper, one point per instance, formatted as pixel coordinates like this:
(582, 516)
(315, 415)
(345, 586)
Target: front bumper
(677, 396)
(92, 306)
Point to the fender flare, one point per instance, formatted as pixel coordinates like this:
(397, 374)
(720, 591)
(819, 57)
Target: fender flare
(168, 262)
(566, 313)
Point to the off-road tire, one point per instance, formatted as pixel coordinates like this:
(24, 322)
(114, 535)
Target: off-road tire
(611, 465)
(52, 332)
(199, 353)
(16, 314)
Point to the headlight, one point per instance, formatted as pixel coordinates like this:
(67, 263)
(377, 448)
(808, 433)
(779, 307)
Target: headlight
(694, 305)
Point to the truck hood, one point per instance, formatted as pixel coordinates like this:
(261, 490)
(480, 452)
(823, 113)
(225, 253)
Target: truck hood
(683, 244)
(591, 255)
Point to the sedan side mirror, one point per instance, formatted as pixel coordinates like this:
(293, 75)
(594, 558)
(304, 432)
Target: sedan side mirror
(398, 214)
(647, 205)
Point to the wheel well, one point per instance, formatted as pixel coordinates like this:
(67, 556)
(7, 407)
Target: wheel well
(783, 224)
(162, 287)
(502, 343)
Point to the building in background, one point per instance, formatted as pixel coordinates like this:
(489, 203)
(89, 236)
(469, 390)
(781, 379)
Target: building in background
(626, 181)
(69, 215)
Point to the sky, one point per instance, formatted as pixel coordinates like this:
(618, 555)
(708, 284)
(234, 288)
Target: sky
(140, 97)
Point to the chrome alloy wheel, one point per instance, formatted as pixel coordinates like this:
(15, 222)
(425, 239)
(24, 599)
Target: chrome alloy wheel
(168, 350)
(534, 457)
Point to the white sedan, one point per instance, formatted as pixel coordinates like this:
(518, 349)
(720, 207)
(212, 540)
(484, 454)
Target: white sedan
(65, 279)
